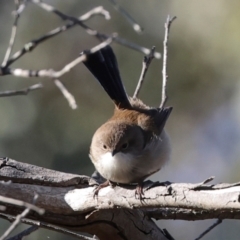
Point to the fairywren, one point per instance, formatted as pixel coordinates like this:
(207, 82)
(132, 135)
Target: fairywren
(132, 144)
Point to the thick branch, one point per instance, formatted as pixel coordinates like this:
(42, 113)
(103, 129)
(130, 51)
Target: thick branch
(68, 201)
(52, 187)
(73, 193)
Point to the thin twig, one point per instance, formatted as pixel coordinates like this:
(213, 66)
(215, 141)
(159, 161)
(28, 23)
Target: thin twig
(50, 73)
(19, 9)
(22, 204)
(201, 184)
(167, 234)
(146, 62)
(70, 98)
(209, 229)
(18, 219)
(28, 47)
(95, 11)
(15, 223)
(165, 54)
(63, 16)
(48, 226)
(128, 17)
(24, 233)
(24, 91)
(91, 31)
(134, 46)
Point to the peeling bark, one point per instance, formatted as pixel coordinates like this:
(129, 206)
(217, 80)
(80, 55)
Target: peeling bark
(69, 203)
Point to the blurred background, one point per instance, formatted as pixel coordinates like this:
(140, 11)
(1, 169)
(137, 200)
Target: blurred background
(203, 88)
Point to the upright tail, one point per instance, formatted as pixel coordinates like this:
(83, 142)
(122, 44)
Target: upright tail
(103, 65)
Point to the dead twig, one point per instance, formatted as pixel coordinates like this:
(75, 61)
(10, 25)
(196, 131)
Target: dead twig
(136, 47)
(21, 204)
(70, 98)
(24, 91)
(209, 229)
(24, 233)
(46, 225)
(18, 219)
(30, 46)
(165, 54)
(19, 10)
(91, 31)
(126, 15)
(50, 73)
(146, 63)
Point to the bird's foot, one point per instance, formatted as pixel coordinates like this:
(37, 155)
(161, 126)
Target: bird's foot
(139, 191)
(102, 185)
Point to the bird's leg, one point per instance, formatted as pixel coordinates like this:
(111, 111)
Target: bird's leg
(139, 191)
(102, 185)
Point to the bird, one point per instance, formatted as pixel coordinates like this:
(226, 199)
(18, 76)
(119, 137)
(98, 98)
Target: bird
(132, 144)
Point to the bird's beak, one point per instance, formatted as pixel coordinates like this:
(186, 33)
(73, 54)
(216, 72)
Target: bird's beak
(114, 152)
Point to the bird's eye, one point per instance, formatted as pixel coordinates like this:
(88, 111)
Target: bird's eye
(104, 146)
(125, 146)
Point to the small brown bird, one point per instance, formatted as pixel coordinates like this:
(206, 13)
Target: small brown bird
(132, 144)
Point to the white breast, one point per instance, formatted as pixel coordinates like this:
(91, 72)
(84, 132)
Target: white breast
(116, 168)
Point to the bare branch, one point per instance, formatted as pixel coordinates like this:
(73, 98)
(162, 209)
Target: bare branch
(75, 21)
(71, 233)
(24, 233)
(50, 73)
(63, 16)
(146, 62)
(95, 11)
(68, 200)
(128, 17)
(136, 47)
(93, 32)
(21, 204)
(38, 224)
(70, 98)
(209, 229)
(165, 54)
(18, 220)
(15, 223)
(24, 91)
(28, 47)
(167, 234)
(208, 201)
(19, 9)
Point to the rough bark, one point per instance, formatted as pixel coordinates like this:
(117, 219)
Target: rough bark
(69, 203)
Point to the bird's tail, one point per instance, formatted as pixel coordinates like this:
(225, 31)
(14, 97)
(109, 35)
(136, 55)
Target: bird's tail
(103, 65)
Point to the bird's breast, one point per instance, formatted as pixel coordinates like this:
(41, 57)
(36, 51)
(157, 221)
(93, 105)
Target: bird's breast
(116, 168)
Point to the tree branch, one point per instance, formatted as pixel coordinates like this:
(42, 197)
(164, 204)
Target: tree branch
(146, 63)
(93, 32)
(30, 46)
(24, 91)
(69, 203)
(50, 73)
(126, 15)
(24, 233)
(209, 229)
(19, 10)
(70, 98)
(19, 217)
(165, 54)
